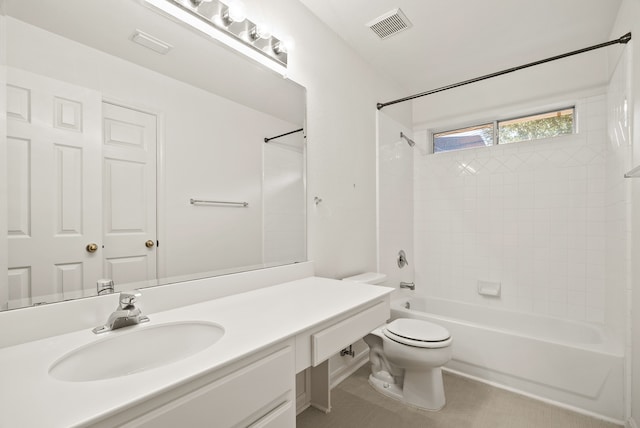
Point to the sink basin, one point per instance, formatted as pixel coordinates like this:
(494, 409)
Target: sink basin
(133, 350)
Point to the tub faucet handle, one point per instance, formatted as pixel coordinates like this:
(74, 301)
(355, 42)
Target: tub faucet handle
(402, 259)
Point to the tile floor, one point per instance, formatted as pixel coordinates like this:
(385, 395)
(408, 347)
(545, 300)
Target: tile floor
(469, 404)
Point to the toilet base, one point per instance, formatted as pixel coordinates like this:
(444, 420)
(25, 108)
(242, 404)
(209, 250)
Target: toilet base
(433, 403)
(391, 390)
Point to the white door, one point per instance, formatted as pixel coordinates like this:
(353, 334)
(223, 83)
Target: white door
(53, 178)
(129, 194)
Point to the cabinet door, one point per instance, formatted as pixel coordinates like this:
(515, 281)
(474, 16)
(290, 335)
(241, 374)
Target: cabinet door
(239, 399)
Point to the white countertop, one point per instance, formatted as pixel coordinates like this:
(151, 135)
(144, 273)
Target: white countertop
(29, 397)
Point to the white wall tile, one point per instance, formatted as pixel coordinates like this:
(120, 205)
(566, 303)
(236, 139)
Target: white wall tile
(531, 215)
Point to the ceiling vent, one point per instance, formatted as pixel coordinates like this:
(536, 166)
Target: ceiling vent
(389, 24)
(150, 42)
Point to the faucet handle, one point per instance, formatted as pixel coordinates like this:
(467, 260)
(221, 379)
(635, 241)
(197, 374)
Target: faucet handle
(402, 259)
(128, 298)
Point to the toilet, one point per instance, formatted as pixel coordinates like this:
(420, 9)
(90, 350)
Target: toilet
(406, 357)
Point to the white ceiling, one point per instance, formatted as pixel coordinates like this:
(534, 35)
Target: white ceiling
(455, 40)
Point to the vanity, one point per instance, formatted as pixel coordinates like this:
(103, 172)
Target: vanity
(245, 378)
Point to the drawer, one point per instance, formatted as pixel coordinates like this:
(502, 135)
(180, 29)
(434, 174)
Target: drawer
(283, 416)
(231, 399)
(327, 342)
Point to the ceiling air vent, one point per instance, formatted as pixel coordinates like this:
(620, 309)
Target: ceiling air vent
(389, 24)
(148, 41)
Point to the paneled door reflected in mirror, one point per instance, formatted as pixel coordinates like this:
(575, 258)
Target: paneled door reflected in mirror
(53, 169)
(128, 194)
(107, 142)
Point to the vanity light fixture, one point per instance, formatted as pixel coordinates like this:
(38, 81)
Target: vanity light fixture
(226, 22)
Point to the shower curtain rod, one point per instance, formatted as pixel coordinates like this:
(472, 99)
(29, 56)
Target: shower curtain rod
(622, 40)
(266, 140)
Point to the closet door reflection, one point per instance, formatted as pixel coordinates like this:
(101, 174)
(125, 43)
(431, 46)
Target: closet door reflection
(82, 186)
(53, 169)
(129, 194)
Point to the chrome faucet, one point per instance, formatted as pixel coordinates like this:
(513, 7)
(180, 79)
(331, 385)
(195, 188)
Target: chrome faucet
(126, 314)
(409, 285)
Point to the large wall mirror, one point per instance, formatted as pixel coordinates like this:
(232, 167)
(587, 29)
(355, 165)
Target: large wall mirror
(139, 166)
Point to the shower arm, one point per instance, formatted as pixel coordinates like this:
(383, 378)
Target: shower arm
(407, 139)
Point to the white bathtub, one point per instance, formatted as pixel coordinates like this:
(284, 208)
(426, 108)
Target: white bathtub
(568, 363)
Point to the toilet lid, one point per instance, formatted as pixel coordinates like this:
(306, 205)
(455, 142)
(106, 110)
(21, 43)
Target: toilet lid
(414, 330)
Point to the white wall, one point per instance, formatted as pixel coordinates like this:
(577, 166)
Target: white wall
(532, 86)
(342, 92)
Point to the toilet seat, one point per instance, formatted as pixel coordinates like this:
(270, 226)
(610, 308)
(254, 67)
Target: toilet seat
(417, 333)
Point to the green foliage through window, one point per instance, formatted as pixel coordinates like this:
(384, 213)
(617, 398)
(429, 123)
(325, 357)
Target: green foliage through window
(527, 128)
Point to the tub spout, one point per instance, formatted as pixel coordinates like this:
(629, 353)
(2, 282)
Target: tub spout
(409, 285)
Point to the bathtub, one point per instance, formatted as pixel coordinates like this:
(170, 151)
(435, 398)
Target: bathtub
(567, 363)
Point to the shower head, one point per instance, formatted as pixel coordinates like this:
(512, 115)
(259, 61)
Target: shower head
(409, 140)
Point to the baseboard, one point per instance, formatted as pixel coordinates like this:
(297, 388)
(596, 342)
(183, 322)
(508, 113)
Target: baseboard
(631, 423)
(538, 398)
(302, 403)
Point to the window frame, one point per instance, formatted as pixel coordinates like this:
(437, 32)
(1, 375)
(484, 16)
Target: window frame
(495, 127)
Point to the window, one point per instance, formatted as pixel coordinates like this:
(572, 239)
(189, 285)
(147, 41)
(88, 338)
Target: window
(545, 125)
(465, 138)
(525, 128)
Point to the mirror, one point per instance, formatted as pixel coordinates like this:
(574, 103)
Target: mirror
(135, 151)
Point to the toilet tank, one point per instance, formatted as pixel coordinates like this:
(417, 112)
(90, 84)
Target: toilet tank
(368, 278)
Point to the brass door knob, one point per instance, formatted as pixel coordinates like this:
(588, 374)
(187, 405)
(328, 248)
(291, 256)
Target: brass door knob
(149, 243)
(92, 248)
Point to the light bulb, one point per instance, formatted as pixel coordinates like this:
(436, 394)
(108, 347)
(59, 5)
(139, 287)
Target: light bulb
(289, 43)
(237, 12)
(285, 45)
(280, 47)
(197, 3)
(260, 31)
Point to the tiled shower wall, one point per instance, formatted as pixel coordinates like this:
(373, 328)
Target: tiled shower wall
(529, 215)
(618, 197)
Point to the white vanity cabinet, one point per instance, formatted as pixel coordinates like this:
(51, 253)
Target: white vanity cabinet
(246, 379)
(259, 391)
(256, 392)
